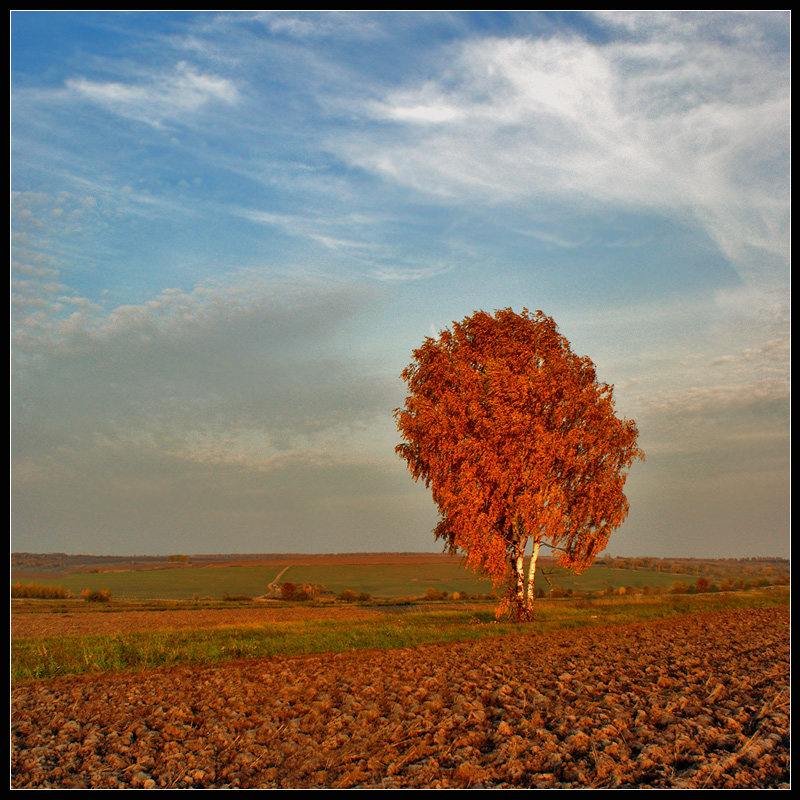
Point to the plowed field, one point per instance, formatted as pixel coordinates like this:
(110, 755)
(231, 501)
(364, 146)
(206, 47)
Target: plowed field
(699, 701)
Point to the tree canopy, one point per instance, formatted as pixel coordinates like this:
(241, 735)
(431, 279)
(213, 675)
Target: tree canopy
(519, 443)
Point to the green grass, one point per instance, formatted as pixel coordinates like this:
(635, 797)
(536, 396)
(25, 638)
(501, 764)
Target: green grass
(69, 655)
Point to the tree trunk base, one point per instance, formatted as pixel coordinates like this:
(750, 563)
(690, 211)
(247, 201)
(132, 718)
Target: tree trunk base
(512, 610)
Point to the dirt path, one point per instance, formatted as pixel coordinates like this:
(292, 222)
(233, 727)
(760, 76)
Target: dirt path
(275, 585)
(694, 702)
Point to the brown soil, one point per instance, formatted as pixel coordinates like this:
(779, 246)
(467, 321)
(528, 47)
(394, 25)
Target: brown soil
(700, 701)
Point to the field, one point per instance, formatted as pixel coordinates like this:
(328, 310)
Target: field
(382, 575)
(604, 690)
(697, 700)
(391, 576)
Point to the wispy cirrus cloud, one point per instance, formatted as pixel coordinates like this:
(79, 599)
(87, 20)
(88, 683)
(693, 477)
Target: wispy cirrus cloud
(159, 98)
(683, 119)
(332, 233)
(320, 24)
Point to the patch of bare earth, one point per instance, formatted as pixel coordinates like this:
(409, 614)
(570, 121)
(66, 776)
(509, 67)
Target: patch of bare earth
(700, 701)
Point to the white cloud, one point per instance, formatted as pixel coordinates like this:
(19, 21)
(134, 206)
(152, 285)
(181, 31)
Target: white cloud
(158, 98)
(242, 373)
(677, 121)
(329, 232)
(319, 24)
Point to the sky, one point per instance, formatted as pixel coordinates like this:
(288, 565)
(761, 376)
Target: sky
(230, 230)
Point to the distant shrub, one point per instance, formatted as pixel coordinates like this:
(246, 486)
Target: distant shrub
(287, 591)
(434, 594)
(235, 598)
(349, 596)
(305, 591)
(96, 596)
(678, 587)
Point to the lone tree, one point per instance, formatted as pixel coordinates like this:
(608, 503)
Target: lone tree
(519, 444)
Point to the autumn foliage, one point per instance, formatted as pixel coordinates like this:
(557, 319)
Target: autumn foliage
(519, 444)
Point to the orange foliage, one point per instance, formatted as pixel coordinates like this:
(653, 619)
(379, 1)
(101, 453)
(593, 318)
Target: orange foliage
(518, 442)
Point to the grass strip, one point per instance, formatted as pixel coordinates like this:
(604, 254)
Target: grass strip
(51, 657)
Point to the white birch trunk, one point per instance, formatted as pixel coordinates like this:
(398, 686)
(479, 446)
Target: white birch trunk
(532, 573)
(519, 566)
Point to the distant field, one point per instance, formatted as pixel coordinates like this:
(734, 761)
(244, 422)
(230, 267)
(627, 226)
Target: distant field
(382, 578)
(382, 581)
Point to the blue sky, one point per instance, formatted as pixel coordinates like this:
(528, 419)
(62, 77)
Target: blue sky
(229, 231)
